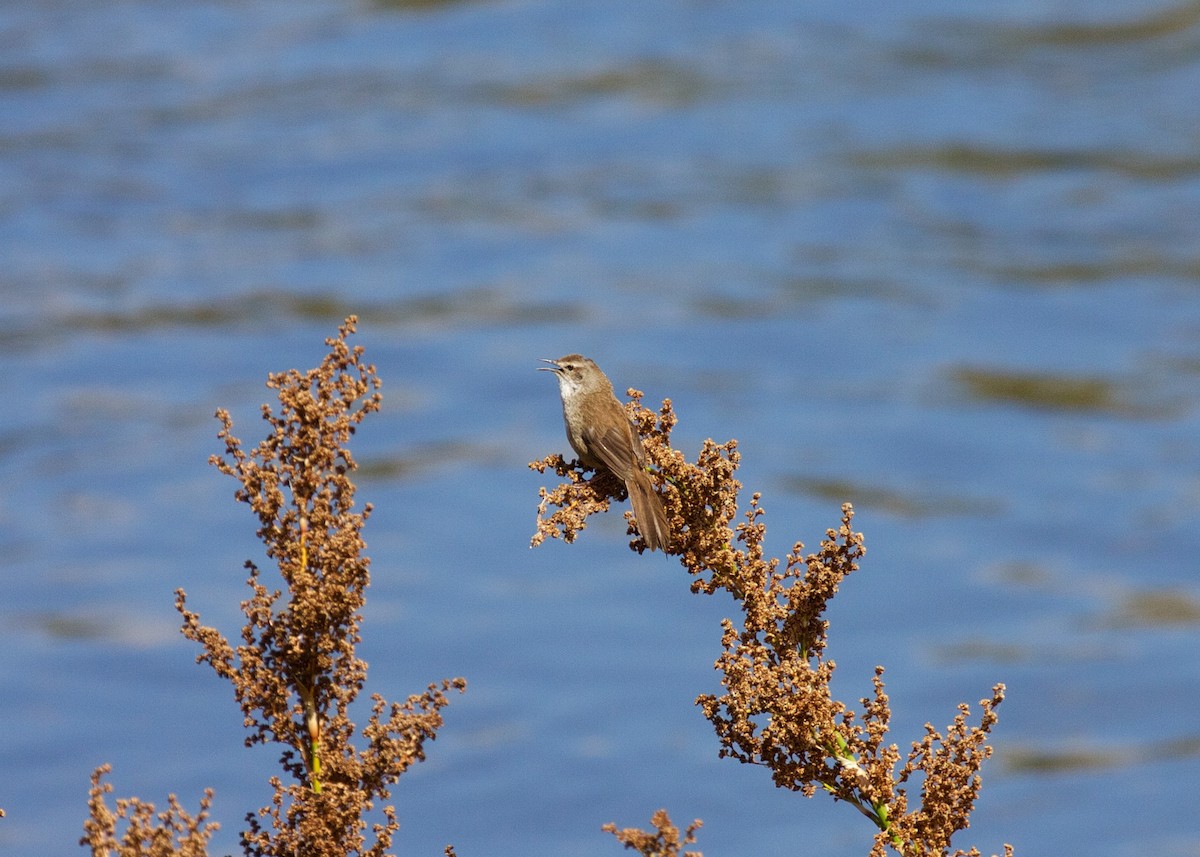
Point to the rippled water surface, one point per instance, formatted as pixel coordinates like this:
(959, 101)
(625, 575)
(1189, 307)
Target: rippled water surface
(939, 259)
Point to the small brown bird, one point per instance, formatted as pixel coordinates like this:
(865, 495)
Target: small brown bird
(602, 436)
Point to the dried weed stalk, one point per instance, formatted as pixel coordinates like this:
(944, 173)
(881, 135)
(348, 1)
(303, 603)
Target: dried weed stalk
(170, 833)
(665, 841)
(777, 709)
(295, 672)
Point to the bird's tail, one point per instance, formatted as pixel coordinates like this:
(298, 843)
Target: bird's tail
(649, 512)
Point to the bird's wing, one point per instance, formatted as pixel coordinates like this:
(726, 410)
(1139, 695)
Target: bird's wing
(618, 449)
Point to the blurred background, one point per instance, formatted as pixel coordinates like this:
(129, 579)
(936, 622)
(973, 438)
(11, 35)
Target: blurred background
(939, 259)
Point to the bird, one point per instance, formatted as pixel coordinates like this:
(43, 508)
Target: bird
(601, 434)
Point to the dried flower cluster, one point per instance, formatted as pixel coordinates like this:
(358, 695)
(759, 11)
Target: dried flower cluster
(295, 672)
(665, 841)
(171, 832)
(777, 709)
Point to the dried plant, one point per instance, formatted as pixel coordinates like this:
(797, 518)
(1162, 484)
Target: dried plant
(777, 709)
(295, 672)
(169, 833)
(665, 841)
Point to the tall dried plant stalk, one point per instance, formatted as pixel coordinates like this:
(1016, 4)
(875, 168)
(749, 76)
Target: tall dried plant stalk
(295, 673)
(777, 709)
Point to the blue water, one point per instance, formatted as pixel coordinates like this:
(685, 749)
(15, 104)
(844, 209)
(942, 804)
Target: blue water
(937, 259)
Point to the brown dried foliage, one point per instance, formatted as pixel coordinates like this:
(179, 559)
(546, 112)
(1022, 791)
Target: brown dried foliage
(665, 841)
(170, 833)
(295, 672)
(777, 709)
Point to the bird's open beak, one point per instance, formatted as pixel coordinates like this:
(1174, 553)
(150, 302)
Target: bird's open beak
(553, 367)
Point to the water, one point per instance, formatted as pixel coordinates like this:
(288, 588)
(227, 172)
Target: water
(938, 259)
